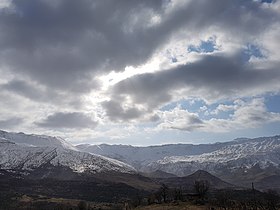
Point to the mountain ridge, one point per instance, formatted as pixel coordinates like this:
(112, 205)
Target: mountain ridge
(187, 182)
(25, 152)
(239, 161)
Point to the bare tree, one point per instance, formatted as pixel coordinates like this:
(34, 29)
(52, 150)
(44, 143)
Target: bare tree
(178, 195)
(164, 192)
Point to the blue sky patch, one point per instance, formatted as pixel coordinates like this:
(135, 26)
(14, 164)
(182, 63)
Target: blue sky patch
(251, 50)
(204, 47)
(204, 111)
(267, 1)
(273, 103)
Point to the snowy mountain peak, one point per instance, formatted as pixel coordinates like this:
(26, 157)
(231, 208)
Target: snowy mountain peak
(26, 153)
(183, 159)
(4, 140)
(246, 154)
(36, 140)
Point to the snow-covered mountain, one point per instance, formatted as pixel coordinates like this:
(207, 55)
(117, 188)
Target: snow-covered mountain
(184, 159)
(242, 160)
(242, 154)
(26, 153)
(140, 157)
(32, 140)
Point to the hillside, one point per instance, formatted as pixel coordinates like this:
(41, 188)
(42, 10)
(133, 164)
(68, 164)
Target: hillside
(33, 157)
(187, 182)
(241, 161)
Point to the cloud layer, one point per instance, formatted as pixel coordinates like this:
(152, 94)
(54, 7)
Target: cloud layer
(74, 120)
(250, 114)
(55, 56)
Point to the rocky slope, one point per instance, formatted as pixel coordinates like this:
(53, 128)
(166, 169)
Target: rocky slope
(187, 182)
(240, 155)
(240, 161)
(140, 157)
(26, 153)
(183, 159)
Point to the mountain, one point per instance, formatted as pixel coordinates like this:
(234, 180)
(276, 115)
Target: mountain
(187, 182)
(159, 174)
(269, 182)
(32, 140)
(263, 152)
(26, 153)
(240, 161)
(139, 157)
(49, 166)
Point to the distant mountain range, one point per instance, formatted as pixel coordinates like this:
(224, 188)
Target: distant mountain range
(241, 161)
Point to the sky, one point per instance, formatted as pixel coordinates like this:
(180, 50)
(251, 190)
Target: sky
(140, 72)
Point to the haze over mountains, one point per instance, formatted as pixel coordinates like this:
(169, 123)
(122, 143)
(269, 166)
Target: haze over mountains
(240, 161)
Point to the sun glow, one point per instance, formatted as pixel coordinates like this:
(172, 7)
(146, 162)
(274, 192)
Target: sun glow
(114, 77)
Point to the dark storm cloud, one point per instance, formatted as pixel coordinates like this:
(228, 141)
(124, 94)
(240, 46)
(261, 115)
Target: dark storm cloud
(69, 120)
(116, 112)
(64, 44)
(35, 92)
(210, 78)
(22, 88)
(10, 123)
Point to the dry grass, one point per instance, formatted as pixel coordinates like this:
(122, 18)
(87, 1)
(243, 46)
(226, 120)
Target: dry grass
(72, 202)
(108, 206)
(179, 206)
(28, 199)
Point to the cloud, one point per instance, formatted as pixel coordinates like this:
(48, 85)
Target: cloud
(71, 120)
(10, 122)
(116, 112)
(64, 45)
(212, 78)
(223, 108)
(251, 114)
(22, 88)
(181, 120)
(55, 53)
(254, 114)
(37, 93)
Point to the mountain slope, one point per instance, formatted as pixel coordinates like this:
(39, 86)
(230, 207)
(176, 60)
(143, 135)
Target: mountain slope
(34, 157)
(33, 140)
(183, 159)
(188, 182)
(25, 153)
(158, 174)
(241, 161)
(239, 155)
(139, 157)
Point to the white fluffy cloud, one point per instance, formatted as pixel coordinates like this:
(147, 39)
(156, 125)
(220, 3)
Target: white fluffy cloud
(250, 114)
